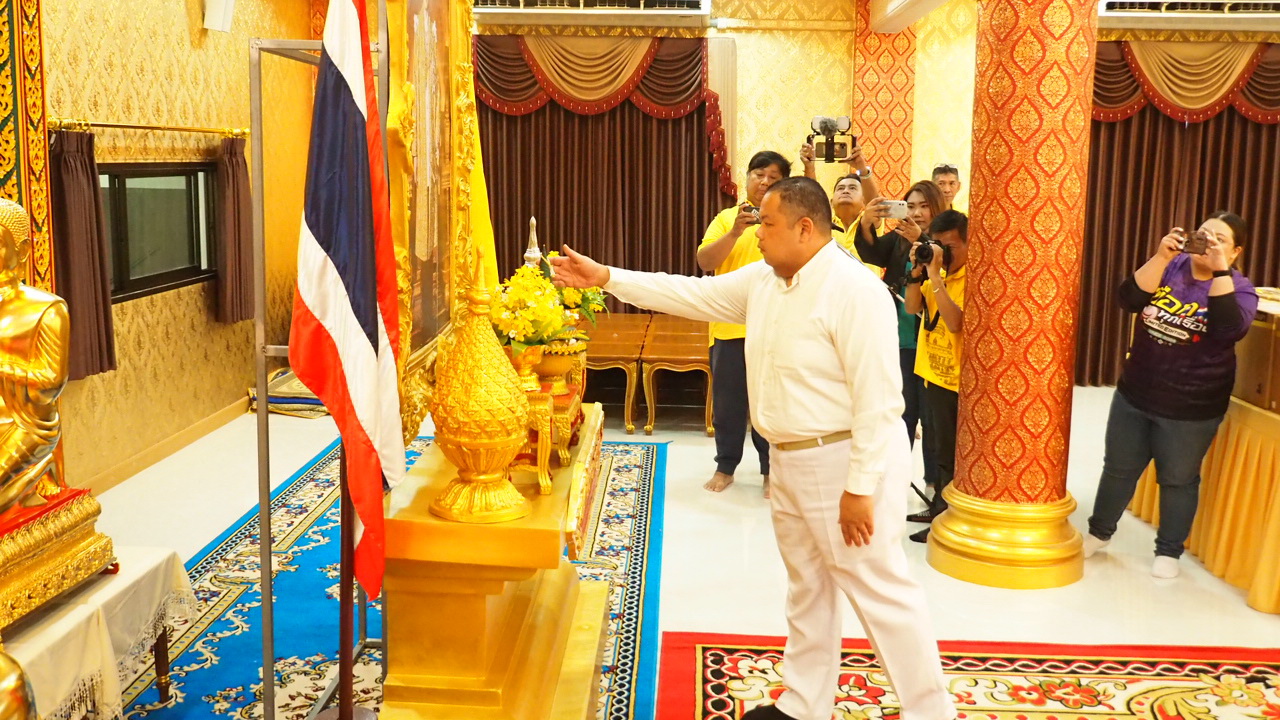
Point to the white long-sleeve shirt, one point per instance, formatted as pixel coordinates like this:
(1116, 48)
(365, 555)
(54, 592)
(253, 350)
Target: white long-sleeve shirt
(822, 352)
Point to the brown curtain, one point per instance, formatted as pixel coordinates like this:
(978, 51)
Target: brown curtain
(235, 234)
(1150, 173)
(81, 252)
(623, 187)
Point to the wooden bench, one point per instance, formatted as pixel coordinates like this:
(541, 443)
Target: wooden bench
(616, 342)
(679, 345)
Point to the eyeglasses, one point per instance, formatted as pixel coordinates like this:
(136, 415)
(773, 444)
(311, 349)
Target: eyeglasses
(946, 169)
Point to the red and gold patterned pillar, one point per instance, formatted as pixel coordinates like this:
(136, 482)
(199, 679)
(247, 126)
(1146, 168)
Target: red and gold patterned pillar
(1007, 525)
(884, 89)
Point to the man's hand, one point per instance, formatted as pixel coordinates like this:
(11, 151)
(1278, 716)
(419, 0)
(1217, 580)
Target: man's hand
(807, 154)
(577, 271)
(935, 265)
(857, 518)
(856, 161)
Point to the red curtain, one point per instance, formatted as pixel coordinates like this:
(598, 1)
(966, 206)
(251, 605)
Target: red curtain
(632, 181)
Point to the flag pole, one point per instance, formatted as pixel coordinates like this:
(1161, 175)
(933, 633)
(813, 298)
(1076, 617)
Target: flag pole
(346, 709)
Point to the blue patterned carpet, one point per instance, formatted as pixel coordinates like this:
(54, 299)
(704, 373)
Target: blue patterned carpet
(217, 657)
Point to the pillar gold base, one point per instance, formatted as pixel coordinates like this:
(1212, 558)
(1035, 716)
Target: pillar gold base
(1007, 545)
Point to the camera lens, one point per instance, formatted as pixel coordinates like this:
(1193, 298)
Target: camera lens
(924, 253)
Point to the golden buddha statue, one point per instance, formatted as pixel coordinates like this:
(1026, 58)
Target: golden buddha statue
(34, 335)
(17, 702)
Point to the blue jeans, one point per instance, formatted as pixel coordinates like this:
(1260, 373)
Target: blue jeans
(1134, 439)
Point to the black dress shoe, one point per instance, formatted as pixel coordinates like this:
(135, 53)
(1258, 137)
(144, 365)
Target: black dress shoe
(766, 712)
(920, 537)
(924, 516)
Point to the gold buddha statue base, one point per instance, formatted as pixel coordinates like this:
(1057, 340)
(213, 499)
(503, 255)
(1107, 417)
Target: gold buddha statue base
(48, 550)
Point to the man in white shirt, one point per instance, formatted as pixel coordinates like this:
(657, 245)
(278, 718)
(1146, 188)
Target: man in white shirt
(826, 392)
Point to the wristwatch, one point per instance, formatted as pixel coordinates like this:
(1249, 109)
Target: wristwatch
(1221, 273)
(863, 173)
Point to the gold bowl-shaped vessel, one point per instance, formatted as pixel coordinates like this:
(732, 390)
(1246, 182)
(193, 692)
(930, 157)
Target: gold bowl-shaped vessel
(558, 360)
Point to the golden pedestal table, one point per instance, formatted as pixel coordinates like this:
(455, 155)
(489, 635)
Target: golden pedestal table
(491, 621)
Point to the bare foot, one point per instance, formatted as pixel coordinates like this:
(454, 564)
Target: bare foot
(766, 487)
(718, 482)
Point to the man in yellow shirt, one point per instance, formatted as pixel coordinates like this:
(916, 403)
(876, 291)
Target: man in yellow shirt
(937, 288)
(729, 244)
(947, 178)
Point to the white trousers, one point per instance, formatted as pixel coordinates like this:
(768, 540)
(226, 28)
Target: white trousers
(806, 490)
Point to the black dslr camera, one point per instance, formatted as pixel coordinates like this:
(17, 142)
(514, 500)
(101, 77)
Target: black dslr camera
(924, 253)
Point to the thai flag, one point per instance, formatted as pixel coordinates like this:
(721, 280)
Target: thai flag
(345, 331)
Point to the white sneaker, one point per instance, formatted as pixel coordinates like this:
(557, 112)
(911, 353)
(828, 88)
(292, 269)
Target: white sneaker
(1093, 544)
(1165, 567)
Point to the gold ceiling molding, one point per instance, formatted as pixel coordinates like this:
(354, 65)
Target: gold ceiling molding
(1141, 35)
(592, 31)
(786, 10)
(734, 26)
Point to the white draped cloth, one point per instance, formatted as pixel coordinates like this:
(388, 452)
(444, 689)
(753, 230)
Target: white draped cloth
(75, 648)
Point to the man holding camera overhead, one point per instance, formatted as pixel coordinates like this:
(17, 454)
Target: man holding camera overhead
(936, 286)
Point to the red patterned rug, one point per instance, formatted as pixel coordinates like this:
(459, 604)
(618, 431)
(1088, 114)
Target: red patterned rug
(719, 677)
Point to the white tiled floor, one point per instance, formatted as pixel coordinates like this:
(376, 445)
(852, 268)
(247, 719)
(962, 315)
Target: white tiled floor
(721, 570)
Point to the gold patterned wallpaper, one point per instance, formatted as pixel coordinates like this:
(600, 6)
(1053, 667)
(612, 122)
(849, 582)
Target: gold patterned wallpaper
(946, 47)
(786, 75)
(152, 61)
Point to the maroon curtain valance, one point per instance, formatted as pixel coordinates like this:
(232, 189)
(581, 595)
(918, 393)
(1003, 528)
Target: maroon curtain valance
(665, 79)
(1176, 77)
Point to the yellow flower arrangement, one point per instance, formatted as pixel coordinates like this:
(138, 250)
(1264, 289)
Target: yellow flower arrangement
(528, 311)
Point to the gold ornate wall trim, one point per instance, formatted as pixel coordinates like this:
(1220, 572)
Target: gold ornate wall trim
(1131, 34)
(730, 25)
(785, 10)
(591, 31)
(24, 139)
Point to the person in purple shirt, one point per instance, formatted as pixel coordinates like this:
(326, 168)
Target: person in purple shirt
(1176, 384)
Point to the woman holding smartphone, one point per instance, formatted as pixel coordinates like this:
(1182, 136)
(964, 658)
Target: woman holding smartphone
(1176, 383)
(892, 251)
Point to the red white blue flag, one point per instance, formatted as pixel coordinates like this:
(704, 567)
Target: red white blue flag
(345, 330)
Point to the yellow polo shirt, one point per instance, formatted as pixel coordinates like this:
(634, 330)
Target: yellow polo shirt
(745, 252)
(938, 352)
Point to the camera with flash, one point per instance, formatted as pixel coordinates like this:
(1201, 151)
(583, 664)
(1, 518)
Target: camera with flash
(836, 142)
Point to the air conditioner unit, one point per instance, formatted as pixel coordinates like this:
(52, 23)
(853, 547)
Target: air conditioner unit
(1221, 15)
(642, 13)
(217, 14)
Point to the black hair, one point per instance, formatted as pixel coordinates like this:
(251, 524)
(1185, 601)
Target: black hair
(850, 176)
(948, 220)
(1239, 228)
(945, 169)
(803, 197)
(765, 158)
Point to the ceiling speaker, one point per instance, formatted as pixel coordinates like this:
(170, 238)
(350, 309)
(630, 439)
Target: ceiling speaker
(217, 14)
